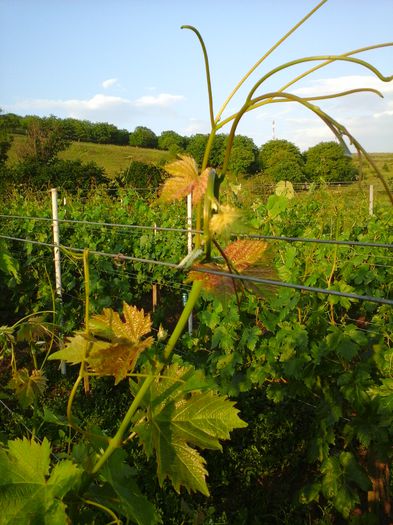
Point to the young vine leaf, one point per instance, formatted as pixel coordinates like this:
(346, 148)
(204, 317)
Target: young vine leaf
(113, 345)
(27, 387)
(244, 256)
(176, 421)
(28, 493)
(184, 180)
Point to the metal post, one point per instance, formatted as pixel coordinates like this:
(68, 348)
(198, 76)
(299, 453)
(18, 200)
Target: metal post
(154, 289)
(56, 254)
(371, 200)
(189, 243)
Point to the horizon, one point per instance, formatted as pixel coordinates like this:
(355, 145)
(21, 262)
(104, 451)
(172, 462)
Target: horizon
(130, 66)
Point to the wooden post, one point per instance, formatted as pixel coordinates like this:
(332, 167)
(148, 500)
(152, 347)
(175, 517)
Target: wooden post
(56, 256)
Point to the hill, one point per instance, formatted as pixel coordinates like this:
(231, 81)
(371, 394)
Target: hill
(112, 158)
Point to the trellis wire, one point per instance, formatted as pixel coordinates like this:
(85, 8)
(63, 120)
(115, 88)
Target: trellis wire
(186, 230)
(248, 278)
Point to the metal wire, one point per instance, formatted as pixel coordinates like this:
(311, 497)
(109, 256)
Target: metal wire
(248, 278)
(185, 230)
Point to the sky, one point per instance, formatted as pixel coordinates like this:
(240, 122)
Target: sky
(129, 63)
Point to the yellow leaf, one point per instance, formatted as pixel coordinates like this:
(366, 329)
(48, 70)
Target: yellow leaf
(184, 180)
(117, 360)
(118, 355)
(225, 220)
(135, 324)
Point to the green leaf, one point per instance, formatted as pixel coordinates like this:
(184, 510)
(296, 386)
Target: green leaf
(8, 264)
(130, 502)
(73, 352)
(27, 387)
(28, 494)
(175, 422)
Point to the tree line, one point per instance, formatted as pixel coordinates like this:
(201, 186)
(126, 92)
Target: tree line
(277, 159)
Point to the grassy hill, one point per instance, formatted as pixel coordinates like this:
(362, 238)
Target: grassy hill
(112, 158)
(116, 158)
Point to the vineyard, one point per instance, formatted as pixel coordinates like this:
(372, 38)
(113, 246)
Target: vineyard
(212, 351)
(310, 372)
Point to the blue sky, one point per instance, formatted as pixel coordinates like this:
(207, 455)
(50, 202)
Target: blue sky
(127, 62)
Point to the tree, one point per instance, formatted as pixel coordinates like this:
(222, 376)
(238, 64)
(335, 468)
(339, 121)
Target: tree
(328, 161)
(171, 141)
(45, 139)
(277, 150)
(196, 147)
(244, 155)
(5, 138)
(143, 137)
(282, 160)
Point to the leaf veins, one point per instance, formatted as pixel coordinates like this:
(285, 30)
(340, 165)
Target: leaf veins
(184, 180)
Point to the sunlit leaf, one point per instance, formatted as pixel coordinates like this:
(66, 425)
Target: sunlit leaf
(74, 350)
(244, 253)
(248, 257)
(184, 180)
(135, 325)
(285, 188)
(228, 220)
(113, 345)
(116, 360)
(29, 493)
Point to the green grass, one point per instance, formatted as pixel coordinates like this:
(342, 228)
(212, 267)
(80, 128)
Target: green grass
(112, 158)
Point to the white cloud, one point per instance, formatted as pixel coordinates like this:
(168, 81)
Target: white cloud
(196, 126)
(163, 100)
(110, 82)
(100, 107)
(323, 86)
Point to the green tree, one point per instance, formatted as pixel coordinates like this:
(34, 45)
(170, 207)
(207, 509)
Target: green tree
(197, 144)
(45, 139)
(196, 147)
(328, 161)
(143, 137)
(244, 155)
(282, 160)
(171, 141)
(5, 138)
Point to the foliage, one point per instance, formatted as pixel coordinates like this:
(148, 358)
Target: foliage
(175, 422)
(143, 137)
(244, 156)
(327, 352)
(329, 162)
(172, 141)
(5, 139)
(28, 491)
(282, 160)
(69, 175)
(45, 140)
(141, 175)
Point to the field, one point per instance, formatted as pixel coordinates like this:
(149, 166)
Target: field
(110, 157)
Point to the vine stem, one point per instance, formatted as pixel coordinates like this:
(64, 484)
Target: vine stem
(117, 440)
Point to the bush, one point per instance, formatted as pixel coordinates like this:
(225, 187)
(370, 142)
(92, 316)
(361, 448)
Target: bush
(141, 175)
(71, 175)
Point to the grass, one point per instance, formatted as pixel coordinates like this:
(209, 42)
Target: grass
(112, 158)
